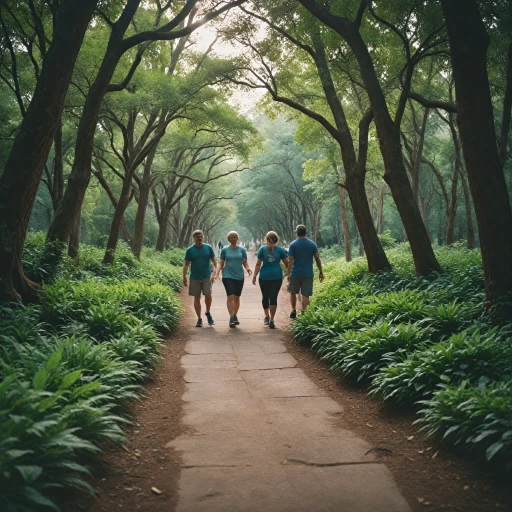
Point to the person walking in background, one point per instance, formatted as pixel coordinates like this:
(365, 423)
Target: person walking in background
(220, 245)
(233, 260)
(199, 256)
(268, 266)
(300, 269)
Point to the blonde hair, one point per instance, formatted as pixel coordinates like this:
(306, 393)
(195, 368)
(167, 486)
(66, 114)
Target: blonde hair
(231, 233)
(271, 238)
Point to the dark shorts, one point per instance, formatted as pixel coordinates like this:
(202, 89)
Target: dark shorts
(303, 285)
(233, 286)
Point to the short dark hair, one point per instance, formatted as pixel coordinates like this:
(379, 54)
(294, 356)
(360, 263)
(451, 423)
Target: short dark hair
(301, 230)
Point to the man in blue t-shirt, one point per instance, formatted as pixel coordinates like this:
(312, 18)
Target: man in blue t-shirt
(300, 269)
(199, 256)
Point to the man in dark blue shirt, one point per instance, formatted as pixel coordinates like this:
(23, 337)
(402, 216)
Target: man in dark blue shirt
(301, 253)
(199, 256)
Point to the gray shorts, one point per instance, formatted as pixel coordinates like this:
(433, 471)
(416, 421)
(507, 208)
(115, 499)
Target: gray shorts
(303, 285)
(196, 286)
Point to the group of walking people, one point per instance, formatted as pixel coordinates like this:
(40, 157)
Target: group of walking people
(200, 257)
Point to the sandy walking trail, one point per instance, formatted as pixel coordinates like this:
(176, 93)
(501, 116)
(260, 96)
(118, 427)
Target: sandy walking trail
(260, 435)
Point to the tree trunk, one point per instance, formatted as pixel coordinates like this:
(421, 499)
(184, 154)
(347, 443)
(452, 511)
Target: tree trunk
(144, 189)
(162, 230)
(71, 204)
(380, 210)
(377, 259)
(468, 44)
(22, 172)
(346, 227)
(122, 204)
(389, 139)
(74, 241)
(469, 217)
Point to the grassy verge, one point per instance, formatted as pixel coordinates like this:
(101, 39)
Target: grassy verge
(420, 340)
(70, 365)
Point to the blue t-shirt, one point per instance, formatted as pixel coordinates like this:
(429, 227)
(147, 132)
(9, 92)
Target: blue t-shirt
(233, 268)
(302, 250)
(199, 258)
(271, 266)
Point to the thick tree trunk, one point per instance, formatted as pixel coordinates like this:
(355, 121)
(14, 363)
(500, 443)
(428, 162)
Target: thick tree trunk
(74, 241)
(162, 230)
(377, 259)
(468, 44)
(345, 224)
(22, 172)
(71, 204)
(396, 177)
(115, 227)
(144, 189)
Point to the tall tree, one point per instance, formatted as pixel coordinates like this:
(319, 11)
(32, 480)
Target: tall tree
(469, 42)
(388, 129)
(23, 170)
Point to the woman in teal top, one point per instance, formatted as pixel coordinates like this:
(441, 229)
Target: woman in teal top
(268, 266)
(233, 260)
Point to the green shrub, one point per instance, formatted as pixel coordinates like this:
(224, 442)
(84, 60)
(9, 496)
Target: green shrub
(477, 417)
(464, 356)
(360, 354)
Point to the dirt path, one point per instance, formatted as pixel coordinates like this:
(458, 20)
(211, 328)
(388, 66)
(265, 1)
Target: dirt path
(243, 420)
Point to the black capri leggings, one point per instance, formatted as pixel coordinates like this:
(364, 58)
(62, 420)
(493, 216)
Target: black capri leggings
(270, 290)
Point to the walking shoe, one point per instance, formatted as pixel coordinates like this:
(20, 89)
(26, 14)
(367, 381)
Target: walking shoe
(236, 320)
(199, 322)
(232, 322)
(266, 320)
(271, 324)
(293, 314)
(210, 319)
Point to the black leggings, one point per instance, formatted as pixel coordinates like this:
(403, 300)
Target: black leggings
(270, 290)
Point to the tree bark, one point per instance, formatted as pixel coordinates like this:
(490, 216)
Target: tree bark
(468, 48)
(380, 210)
(115, 227)
(140, 216)
(74, 241)
(22, 173)
(346, 228)
(471, 243)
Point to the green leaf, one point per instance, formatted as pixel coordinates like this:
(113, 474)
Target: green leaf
(54, 360)
(30, 473)
(493, 450)
(37, 498)
(16, 454)
(40, 379)
(70, 379)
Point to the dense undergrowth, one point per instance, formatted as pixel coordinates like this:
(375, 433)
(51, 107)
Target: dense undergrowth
(70, 365)
(420, 340)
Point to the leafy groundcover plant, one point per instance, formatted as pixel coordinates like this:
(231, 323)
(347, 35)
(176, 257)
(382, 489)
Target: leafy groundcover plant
(423, 340)
(70, 365)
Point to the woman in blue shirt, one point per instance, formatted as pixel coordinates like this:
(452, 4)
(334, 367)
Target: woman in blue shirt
(268, 266)
(233, 260)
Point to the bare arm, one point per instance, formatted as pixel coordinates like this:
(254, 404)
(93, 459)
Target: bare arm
(290, 266)
(220, 267)
(246, 266)
(256, 270)
(319, 265)
(185, 271)
(214, 270)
